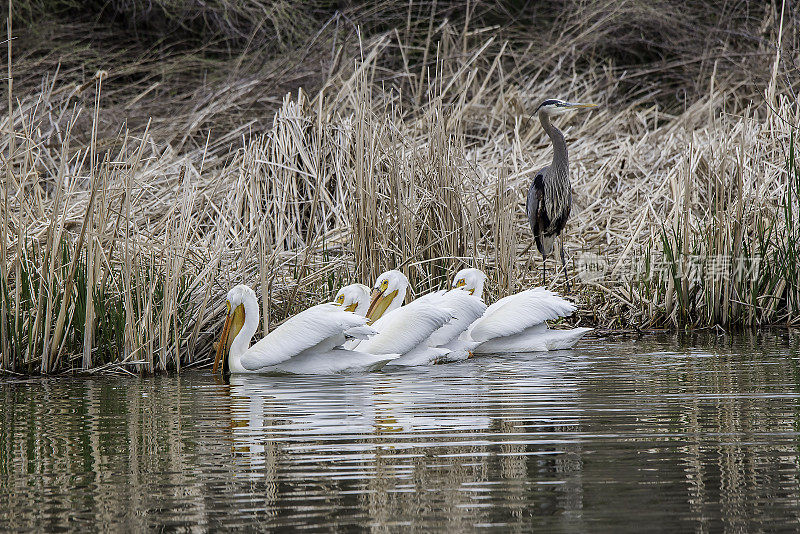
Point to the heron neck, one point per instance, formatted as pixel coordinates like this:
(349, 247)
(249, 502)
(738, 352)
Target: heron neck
(560, 157)
(242, 340)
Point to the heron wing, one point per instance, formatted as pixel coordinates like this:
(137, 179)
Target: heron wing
(534, 198)
(320, 328)
(516, 313)
(537, 214)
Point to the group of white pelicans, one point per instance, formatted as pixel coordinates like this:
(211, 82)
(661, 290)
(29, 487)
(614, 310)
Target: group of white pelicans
(361, 332)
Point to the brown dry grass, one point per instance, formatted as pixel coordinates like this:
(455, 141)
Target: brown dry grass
(386, 164)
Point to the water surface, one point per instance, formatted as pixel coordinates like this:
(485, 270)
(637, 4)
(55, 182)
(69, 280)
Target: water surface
(656, 434)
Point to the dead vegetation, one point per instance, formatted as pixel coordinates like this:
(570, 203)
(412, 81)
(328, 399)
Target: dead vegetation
(139, 187)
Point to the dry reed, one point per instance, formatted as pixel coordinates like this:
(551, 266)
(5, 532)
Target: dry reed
(118, 249)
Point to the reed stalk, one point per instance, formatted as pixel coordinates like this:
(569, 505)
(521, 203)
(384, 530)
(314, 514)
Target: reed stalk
(124, 225)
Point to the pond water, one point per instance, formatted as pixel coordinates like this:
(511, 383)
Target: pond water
(655, 434)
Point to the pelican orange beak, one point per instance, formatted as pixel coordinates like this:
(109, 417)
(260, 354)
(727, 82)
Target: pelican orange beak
(378, 304)
(352, 307)
(233, 324)
(460, 285)
(223, 340)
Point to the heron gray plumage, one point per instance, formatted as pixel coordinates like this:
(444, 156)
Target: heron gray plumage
(550, 193)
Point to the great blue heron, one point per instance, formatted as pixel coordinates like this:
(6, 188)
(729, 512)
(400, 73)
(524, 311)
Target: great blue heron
(550, 193)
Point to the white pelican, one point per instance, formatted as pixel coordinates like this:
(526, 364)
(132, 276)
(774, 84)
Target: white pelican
(354, 298)
(403, 330)
(464, 307)
(516, 323)
(308, 343)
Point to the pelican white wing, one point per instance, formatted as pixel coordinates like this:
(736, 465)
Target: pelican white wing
(316, 330)
(404, 329)
(335, 361)
(421, 356)
(534, 339)
(360, 332)
(466, 309)
(516, 313)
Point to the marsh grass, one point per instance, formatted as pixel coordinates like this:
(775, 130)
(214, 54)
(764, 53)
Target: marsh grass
(415, 151)
(733, 263)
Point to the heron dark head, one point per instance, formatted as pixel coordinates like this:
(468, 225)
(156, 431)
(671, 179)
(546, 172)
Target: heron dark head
(553, 106)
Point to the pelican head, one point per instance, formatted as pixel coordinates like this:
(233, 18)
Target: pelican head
(553, 106)
(239, 298)
(388, 294)
(354, 298)
(470, 280)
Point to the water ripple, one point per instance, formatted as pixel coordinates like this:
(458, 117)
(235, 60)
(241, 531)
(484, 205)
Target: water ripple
(666, 433)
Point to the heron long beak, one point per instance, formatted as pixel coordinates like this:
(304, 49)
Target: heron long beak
(580, 105)
(378, 304)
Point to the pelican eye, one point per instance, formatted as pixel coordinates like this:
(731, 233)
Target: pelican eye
(384, 285)
(340, 299)
(461, 283)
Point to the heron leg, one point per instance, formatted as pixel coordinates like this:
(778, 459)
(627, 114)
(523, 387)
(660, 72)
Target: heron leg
(544, 271)
(564, 264)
